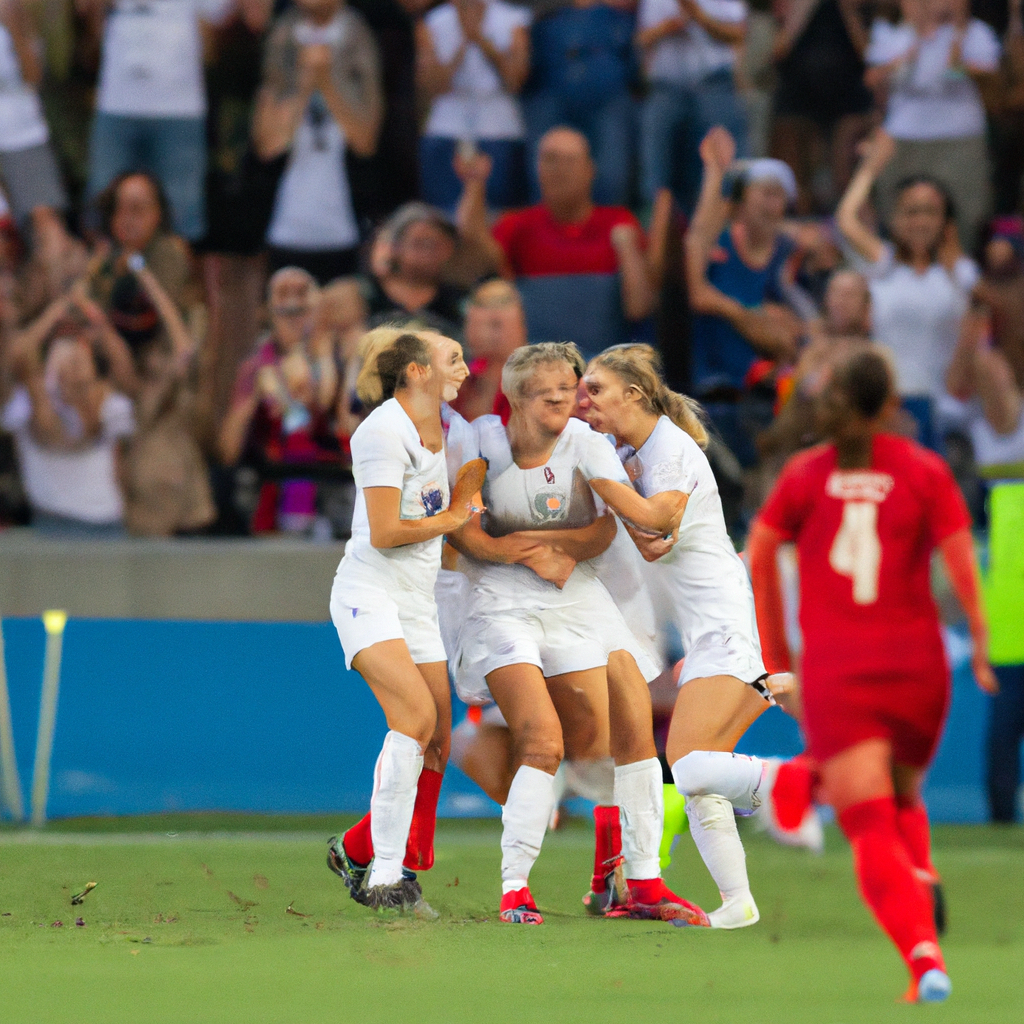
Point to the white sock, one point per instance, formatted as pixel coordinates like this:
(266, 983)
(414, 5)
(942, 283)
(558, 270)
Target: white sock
(641, 802)
(734, 776)
(592, 780)
(391, 806)
(524, 820)
(713, 827)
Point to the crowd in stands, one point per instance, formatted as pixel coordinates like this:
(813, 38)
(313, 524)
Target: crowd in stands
(206, 203)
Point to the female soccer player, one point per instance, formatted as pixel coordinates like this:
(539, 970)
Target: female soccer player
(382, 601)
(866, 512)
(525, 635)
(702, 580)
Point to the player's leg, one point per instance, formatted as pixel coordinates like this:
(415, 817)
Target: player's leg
(858, 783)
(639, 794)
(484, 753)
(521, 693)
(915, 831)
(711, 714)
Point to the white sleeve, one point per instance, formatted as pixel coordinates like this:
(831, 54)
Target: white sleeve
(213, 10)
(598, 459)
(881, 268)
(654, 12)
(732, 12)
(118, 417)
(966, 273)
(885, 44)
(521, 16)
(17, 412)
(981, 46)
(379, 459)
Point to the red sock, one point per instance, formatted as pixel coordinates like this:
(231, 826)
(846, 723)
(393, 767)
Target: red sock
(607, 844)
(912, 822)
(358, 841)
(791, 794)
(419, 849)
(889, 885)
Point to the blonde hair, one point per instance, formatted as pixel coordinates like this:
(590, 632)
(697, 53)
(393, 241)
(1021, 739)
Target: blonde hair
(520, 365)
(639, 367)
(378, 378)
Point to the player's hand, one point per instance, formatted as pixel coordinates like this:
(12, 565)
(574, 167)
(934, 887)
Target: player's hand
(549, 564)
(717, 149)
(651, 546)
(468, 482)
(983, 674)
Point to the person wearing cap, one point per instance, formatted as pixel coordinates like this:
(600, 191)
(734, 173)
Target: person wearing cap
(740, 271)
(408, 283)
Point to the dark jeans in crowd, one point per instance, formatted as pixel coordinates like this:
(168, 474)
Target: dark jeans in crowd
(440, 185)
(1005, 734)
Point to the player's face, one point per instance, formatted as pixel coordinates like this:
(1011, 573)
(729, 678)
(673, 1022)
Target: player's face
(550, 396)
(605, 402)
(449, 367)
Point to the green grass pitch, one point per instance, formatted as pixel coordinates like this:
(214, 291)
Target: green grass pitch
(193, 926)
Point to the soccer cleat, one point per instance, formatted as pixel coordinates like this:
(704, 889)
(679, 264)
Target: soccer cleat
(650, 899)
(934, 986)
(612, 900)
(414, 900)
(385, 897)
(736, 912)
(517, 907)
(351, 873)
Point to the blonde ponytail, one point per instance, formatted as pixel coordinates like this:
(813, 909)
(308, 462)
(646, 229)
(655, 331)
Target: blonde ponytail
(639, 366)
(386, 352)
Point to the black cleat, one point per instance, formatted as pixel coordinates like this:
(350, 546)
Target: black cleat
(351, 873)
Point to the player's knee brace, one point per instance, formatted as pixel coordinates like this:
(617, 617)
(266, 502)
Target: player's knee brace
(733, 776)
(710, 812)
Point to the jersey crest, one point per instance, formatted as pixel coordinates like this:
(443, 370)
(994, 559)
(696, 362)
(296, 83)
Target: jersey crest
(550, 505)
(549, 475)
(432, 498)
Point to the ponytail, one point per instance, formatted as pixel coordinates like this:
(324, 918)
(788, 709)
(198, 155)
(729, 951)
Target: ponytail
(386, 353)
(639, 367)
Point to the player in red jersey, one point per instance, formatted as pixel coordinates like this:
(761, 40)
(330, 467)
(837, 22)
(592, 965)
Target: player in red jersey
(866, 512)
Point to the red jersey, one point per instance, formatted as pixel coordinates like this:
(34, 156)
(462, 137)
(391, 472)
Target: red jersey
(535, 244)
(864, 540)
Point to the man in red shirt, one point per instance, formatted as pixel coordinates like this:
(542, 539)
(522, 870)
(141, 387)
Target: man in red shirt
(565, 233)
(866, 512)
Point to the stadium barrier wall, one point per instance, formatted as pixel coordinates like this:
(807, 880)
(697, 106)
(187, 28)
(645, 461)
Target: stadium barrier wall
(182, 715)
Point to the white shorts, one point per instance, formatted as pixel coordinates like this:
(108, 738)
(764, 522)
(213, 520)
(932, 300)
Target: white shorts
(366, 613)
(567, 638)
(721, 654)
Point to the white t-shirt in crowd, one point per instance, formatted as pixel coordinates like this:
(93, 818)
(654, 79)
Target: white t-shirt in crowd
(152, 64)
(692, 55)
(478, 105)
(386, 452)
(79, 484)
(926, 99)
(313, 206)
(917, 317)
(22, 124)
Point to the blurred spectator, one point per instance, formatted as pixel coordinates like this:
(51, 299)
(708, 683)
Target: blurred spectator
(151, 101)
(29, 171)
(495, 328)
(930, 65)
(755, 75)
(582, 269)
(472, 59)
(689, 50)
(407, 281)
(920, 283)
(321, 95)
(820, 98)
(69, 424)
(740, 277)
(582, 60)
(1004, 99)
(284, 397)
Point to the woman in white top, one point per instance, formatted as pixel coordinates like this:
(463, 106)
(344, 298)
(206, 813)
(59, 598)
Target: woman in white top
(473, 57)
(920, 283)
(382, 601)
(525, 633)
(703, 585)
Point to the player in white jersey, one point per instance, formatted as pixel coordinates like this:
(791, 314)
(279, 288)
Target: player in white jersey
(382, 601)
(525, 633)
(700, 578)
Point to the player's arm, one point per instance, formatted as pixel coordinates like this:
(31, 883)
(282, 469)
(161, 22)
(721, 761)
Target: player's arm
(658, 514)
(389, 530)
(762, 551)
(957, 552)
(581, 543)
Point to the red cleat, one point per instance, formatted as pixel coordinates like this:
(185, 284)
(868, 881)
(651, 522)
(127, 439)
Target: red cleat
(517, 907)
(652, 900)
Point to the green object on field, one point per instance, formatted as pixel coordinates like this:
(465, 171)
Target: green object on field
(223, 948)
(674, 821)
(1004, 581)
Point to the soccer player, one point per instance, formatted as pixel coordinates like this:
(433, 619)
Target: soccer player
(701, 580)
(525, 634)
(866, 512)
(382, 602)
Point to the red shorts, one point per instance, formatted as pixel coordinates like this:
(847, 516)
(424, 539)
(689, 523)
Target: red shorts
(906, 708)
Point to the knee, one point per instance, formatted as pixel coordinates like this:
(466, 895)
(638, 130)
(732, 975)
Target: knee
(692, 774)
(540, 748)
(420, 722)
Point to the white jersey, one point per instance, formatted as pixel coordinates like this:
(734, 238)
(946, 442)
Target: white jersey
(387, 452)
(702, 580)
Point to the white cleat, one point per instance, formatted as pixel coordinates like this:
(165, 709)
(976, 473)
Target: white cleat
(934, 986)
(736, 912)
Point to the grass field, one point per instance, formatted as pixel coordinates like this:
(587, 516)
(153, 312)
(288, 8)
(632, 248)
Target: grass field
(189, 923)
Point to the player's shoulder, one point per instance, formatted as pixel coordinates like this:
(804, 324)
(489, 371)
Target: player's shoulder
(803, 467)
(388, 419)
(905, 453)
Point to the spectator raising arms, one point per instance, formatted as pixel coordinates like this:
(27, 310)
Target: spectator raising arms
(151, 101)
(473, 57)
(321, 95)
(920, 282)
